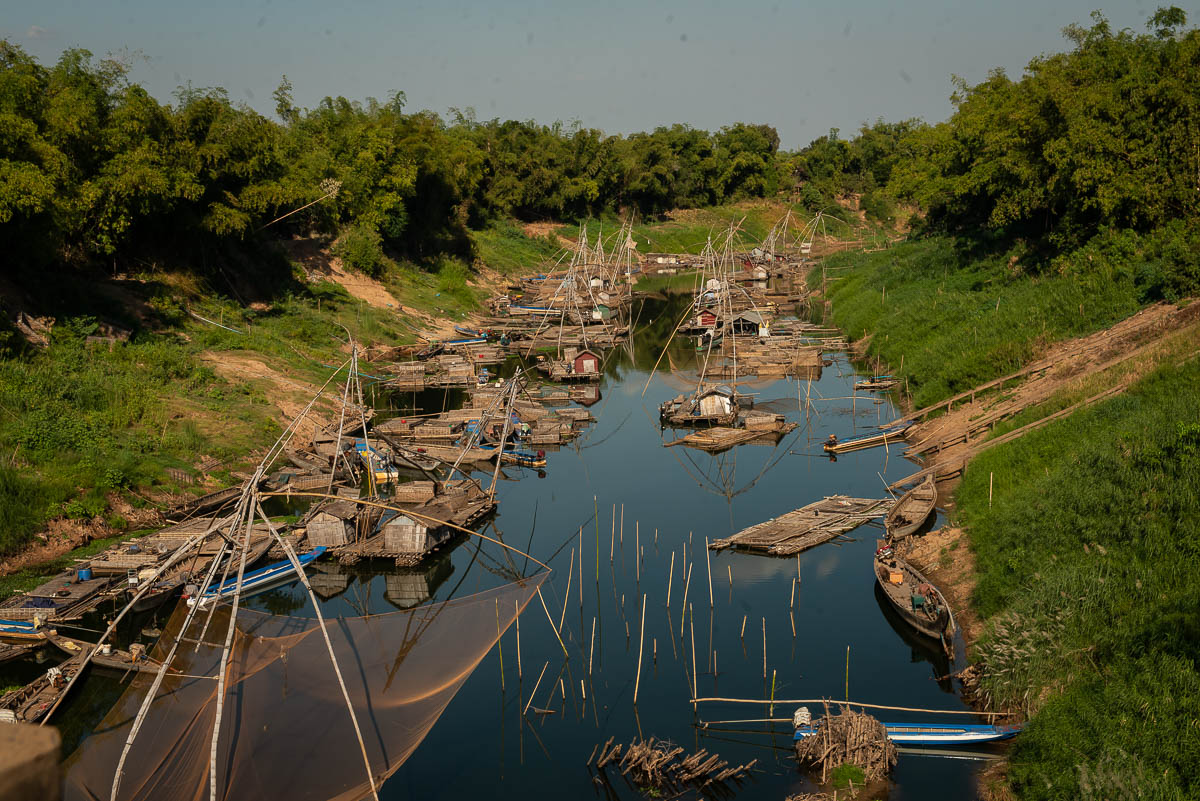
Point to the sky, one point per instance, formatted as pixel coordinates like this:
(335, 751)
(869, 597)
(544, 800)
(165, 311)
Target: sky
(619, 66)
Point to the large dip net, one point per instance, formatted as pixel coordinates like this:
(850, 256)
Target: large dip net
(285, 730)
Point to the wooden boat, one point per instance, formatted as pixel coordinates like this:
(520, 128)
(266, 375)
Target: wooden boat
(22, 631)
(257, 580)
(30, 703)
(912, 510)
(879, 383)
(892, 434)
(114, 658)
(919, 603)
(173, 581)
(935, 733)
(10, 651)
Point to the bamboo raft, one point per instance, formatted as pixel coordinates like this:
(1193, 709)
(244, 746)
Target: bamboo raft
(721, 438)
(808, 526)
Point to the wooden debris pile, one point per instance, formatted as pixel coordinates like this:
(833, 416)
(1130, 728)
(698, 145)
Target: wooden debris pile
(661, 765)
(848, 737)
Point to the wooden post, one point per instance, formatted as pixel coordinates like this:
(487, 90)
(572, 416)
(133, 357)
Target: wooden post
(708, 562)
(641, 646)
(990, 476)
(692, 621)
(847, 674)
(764, 621)
(730, 569)
(517, 622)
(792, 601)
(743, 634)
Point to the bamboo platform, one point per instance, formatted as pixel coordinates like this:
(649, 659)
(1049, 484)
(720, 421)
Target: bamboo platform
(808, 526)
(722, 438)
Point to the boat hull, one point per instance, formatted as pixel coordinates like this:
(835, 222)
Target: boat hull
(919, 734)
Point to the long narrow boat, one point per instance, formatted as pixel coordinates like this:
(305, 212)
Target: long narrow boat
(893, 434)
(912, 510)
(21, 631)
(114, 658)
(919, 603)
(257, 580)
(174, 580)
(30, 703)
(10, 651)
(935, 733)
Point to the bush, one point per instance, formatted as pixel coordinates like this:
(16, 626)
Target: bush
(360, 247)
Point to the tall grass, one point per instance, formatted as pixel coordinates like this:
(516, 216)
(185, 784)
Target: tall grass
(1088, 560)
(504, 247)
(959, 322)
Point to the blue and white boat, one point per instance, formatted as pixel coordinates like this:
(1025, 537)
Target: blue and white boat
(257, 580)
(934, 733)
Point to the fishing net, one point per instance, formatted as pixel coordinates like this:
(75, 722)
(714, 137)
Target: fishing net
(285, 730)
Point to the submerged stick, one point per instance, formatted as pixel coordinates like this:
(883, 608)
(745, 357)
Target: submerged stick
(684, 603)
(592, 648)
(517, 621)
(670, 578)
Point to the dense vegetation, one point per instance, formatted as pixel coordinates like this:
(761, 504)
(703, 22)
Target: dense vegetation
(1052, 206)
(93, 169)
(1085, 164)
(1087, 572)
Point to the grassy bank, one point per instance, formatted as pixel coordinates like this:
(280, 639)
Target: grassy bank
(82, 422)
(957, 322)
(1087, 579)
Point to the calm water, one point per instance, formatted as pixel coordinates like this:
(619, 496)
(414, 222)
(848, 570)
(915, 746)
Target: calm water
(671, 500)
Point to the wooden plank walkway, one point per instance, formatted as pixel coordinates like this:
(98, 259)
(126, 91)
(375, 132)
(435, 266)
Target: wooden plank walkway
(807, 526)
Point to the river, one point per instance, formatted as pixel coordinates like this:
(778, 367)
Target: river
(616, 489)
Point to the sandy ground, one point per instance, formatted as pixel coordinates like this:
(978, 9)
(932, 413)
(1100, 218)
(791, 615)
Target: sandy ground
(288, 395)
(320, 264)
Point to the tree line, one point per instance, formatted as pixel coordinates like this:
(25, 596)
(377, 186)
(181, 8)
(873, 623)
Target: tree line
(92, 168)
(1089, 161)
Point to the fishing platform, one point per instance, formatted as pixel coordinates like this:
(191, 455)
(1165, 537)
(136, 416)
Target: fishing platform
(808, 526)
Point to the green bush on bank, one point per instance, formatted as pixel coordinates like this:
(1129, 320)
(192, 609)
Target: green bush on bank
(1087, 571)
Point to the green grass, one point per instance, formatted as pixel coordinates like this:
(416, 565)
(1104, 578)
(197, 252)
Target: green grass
(956, 322)
(504, 247)
(843, 775)
(1087, 561)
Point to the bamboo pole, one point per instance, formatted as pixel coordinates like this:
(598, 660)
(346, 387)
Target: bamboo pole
(708, 563)
(827, 702)
(536, 684)
(612, 543)
(517, 622)
(764, 627)
(641, 647)
(670, 578)
(692, 621)
(592, 648)
(686, 584)
(551, 620)
(567, 595)
(637, 549)
(499, 645)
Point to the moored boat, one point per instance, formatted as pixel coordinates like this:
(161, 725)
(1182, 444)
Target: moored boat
(918, 601)
(257, 580)
(22, 631)
(883, 437)
(912, 510)
(934, 733)
(30, 703)
(107, 657)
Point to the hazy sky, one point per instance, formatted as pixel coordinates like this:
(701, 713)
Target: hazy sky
(620, 66)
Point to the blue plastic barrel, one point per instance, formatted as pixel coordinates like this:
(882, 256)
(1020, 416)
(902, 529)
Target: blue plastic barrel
(84, 574)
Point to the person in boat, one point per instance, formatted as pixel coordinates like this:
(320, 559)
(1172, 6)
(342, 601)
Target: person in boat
(833, 440)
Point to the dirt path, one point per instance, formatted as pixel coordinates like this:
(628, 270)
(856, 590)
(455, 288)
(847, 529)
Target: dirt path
(320, 264)
(1085, 368)
(288, 395)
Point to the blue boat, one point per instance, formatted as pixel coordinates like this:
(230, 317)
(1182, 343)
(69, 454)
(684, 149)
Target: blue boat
(470, 341)
(935, 733)
(257, 580)
(21, 630)
(469, 332)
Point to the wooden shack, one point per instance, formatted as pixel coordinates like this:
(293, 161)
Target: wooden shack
(328, 530)
(586, 362)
